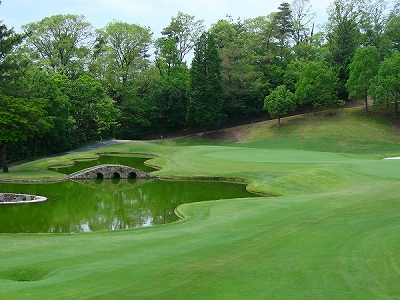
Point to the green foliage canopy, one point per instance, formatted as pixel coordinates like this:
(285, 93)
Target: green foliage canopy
(386, 84)
(206, 96)
(317, 85)
(185, 30)
(20, 119)
(363, 68)
(170, 94)
(60, 43)
(280, 102)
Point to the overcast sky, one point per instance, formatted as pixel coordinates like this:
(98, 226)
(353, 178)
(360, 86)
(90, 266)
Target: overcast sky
(155, 14)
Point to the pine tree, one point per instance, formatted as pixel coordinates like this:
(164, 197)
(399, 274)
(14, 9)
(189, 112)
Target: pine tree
(8, 41)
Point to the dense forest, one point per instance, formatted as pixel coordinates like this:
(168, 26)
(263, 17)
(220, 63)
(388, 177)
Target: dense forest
(64, 83)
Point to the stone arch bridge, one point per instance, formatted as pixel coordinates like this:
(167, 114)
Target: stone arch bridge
(110, 171)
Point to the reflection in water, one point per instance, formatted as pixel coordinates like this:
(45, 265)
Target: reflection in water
(93, 205)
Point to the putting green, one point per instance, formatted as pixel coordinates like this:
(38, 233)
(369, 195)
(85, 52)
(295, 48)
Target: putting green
(279, 156)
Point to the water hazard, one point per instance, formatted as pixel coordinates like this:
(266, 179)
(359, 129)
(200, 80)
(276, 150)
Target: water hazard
(93, 205)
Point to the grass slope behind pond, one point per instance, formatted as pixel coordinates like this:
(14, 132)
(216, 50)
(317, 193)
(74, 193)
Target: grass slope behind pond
(333, 234)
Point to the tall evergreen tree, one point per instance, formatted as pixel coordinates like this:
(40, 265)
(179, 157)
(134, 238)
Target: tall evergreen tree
(343, 38)
(206, 96)
(284, 28)
(8, 41)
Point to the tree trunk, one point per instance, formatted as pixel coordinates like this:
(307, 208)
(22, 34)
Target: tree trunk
(395, 109)
(4, 156)
(279, 121)
(366, 103)
(34, 146)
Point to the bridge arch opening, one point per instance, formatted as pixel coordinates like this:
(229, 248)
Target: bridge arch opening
(132, 175)
(116, 175)
(99, 175)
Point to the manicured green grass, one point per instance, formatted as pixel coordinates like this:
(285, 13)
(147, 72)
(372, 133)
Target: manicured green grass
(333, 233)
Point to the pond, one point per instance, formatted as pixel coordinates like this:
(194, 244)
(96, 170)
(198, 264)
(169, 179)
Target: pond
(93, 205)
(131, 160)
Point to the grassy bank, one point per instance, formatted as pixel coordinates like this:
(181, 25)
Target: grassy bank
(333, 232)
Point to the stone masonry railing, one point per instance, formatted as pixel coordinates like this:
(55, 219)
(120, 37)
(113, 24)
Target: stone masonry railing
(111, 171)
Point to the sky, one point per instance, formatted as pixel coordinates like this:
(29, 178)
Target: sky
(155, 14)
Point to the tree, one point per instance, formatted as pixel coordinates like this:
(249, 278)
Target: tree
(185, 31)
(238, 72)
(280, 102)
(170, 95)
(122, 53)
(9, 40)
(20, 119)
(363, 68)
(386, 84)
(373, 22)
(138, 112)
(121, 63)
(301, 19)
(317, 86)
(283, 28)
(263, 54)
(60, 43)
(206, 96)
(343, 38)
(94, 114)
(313, 50)
(59, 107)
(392, 35)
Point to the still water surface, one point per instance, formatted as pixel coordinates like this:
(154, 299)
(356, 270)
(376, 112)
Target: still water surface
(93, 205)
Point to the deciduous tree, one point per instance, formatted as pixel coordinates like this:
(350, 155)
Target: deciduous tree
(302, 20)
(60, 43)
(238, 71)
(185, 30)
(280, 102)
(373, 22)
(20, 119)
(386, 85)
(363, 68)
(317, 86)
(392, 35)
(92, 111)
(59, 107)
(170, 94)
(122, 53)
(262, 50)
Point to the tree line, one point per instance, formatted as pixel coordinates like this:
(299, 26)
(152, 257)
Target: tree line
(64, 83)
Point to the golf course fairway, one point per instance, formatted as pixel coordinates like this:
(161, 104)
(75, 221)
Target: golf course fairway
(326, 227)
